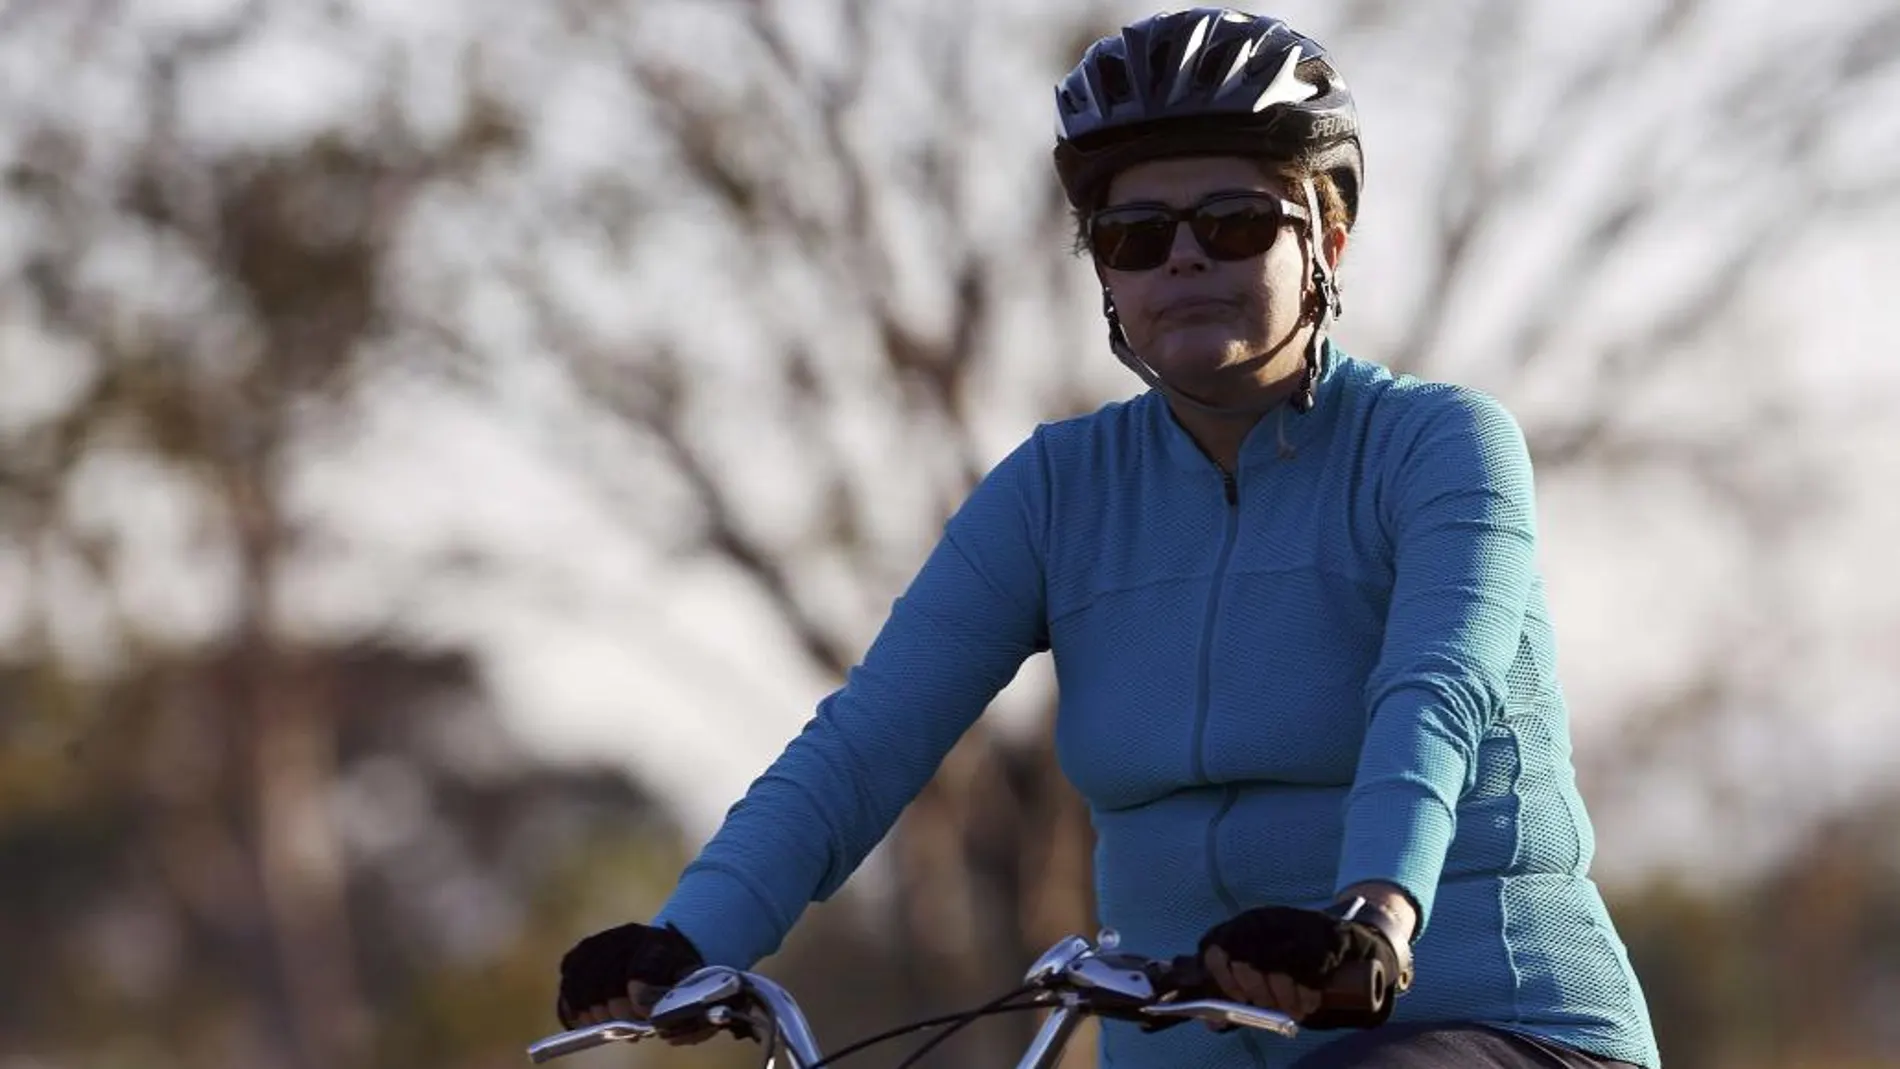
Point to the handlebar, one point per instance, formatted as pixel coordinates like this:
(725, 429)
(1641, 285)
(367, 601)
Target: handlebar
(1077, 977)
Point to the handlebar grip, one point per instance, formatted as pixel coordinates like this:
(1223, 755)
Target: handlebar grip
(1361, 987)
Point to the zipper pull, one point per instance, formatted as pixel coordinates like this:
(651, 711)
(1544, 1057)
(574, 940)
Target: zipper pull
(1232, 487)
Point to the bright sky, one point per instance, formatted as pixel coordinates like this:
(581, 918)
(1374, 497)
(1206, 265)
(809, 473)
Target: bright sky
(599, 647)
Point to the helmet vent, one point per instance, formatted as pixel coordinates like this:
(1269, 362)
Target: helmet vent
(1116, 86)
(1219, 64)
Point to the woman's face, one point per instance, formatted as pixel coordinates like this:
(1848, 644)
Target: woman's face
(1218, 330)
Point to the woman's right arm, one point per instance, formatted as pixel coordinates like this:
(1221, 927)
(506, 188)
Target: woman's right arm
(954, 639)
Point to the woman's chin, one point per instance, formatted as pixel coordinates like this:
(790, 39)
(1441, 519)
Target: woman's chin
(1195, 364)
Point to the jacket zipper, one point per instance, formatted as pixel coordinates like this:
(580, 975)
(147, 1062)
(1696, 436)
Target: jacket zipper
(1207, 631)
(1231, 794)
(1231, 489)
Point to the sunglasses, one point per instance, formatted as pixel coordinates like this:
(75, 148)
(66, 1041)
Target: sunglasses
(1228, 226)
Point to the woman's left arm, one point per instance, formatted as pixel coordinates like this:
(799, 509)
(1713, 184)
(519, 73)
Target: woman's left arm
(1460, 509)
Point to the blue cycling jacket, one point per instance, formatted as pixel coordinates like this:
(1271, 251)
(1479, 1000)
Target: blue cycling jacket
(1334, 666)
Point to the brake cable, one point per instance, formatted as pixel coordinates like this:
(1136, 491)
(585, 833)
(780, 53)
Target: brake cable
(957, 1022)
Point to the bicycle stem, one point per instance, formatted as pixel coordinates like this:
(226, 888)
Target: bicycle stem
(1046, 1049)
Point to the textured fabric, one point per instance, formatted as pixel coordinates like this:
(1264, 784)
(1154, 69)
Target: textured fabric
(1429, 1046)
(1342, 671)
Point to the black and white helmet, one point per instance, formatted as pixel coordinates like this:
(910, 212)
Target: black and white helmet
(1208, 81)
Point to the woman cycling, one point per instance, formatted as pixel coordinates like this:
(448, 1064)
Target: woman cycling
(1306, 669)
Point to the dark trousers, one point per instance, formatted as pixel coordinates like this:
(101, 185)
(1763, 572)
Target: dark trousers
(1449, 1046)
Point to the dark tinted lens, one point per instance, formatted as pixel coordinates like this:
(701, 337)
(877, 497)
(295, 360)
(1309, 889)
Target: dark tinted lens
(1236, 228)
(1139, 237)
(1133, 238)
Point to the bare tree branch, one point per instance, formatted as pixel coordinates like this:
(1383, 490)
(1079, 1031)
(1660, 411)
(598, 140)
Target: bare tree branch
(1466, 189)
(646, 396)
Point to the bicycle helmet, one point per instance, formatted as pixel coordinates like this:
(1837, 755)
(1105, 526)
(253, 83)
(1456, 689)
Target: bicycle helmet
(1209, 81)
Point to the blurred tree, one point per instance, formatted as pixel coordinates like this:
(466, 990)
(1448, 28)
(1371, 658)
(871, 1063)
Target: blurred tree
(1799, 969)
(137, 891)
(287, 257)
(175, 796)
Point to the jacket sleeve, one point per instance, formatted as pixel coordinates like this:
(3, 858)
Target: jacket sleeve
(1460, 509)
(957, 636)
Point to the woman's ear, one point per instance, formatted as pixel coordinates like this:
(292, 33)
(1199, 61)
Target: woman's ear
(1337, 237)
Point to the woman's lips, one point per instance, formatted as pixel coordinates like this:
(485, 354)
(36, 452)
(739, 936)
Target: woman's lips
(1190, 308)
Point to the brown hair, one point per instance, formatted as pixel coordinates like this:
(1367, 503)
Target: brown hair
(1332, 202)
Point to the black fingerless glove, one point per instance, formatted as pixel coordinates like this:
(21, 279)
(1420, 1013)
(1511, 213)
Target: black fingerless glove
(1314, 947)
(600, 967)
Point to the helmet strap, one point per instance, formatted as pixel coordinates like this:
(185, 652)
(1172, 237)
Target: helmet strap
(1325, 291)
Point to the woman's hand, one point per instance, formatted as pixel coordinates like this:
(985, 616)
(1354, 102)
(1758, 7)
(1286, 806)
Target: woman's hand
(1271, 990)
(618, 974)
(1285, 959)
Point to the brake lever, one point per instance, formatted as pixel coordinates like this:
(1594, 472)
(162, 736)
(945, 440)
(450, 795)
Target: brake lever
(1220, 1011)
(1360, 988)
(580, 1039)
